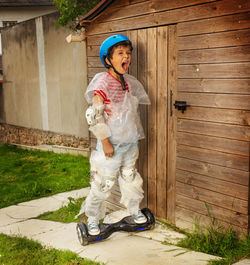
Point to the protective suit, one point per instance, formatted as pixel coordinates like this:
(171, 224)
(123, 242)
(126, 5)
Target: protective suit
(121, 108)
(123, 127)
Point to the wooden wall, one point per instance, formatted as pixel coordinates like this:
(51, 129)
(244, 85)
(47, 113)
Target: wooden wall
(212, 159)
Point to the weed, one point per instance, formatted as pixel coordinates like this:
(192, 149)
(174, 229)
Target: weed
(215, 240)
(219, 241)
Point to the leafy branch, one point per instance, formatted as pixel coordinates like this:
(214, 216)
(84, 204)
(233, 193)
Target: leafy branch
(72, 10)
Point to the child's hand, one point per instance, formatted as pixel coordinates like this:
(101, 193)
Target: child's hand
(107, 148)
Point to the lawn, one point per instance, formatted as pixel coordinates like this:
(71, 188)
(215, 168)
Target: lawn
(26, 174)
(21, 251)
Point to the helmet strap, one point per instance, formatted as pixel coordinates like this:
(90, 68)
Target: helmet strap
(120, 75)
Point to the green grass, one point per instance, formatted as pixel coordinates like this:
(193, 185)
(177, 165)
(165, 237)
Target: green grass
(21, 251)
(65, 214)
(27, 175)
(218, 241)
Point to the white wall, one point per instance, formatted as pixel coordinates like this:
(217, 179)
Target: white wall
(20, 14)
(45, 77)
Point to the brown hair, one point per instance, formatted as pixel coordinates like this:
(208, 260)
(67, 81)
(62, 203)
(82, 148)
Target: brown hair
(122, 43)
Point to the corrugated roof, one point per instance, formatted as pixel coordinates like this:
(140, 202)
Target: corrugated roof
(26, 3)
(94, 12)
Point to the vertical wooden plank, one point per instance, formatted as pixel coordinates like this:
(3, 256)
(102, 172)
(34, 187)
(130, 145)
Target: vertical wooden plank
(142, 77)
(152, 117)
(137, 69)
(162, 119)
(132, 35)
(172, 122)
(249, 196)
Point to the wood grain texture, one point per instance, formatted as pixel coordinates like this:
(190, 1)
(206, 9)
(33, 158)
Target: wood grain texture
(215, 171)
(228, 116)
(215, 40)
(214, 157)
(152, 119)
(162, 116)
(223, 70)
(214, 24)
(218, 55)
(225, 101)
(226, 86)
(215, 129)
(187, 218)
(172, 119)
(214, 143)
(214, 211)
(213, 184)
(211, 197)
(143, 78)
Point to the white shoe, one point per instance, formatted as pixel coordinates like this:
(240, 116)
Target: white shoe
(140, 218)
(93, 228)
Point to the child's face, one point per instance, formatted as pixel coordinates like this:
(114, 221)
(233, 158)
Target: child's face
(121, 59)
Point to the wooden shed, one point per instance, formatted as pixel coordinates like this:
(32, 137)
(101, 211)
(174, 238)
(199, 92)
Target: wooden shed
(194, 53)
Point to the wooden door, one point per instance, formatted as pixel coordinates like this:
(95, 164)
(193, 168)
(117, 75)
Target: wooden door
(154, 64)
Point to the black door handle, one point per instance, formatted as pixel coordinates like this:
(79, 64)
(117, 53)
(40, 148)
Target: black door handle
(181, 105)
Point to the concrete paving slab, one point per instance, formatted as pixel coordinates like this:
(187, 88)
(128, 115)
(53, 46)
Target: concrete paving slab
(134, 250)
(47, 204)
(30, 228)
(159, 233)
(243, 262)
(63, 236)
(6, 220)
(34, 208)
(21, 212)
(76, 194)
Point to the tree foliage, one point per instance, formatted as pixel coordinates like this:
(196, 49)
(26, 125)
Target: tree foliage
(72, 10)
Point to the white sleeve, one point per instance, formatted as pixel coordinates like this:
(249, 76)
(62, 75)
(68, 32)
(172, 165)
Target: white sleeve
(96, 118)
(101, 131)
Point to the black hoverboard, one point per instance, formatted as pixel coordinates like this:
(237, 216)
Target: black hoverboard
(127, 224)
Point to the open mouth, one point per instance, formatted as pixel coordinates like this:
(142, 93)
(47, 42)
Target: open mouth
(125, 66)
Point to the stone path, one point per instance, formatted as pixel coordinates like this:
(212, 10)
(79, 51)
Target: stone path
(119, 249)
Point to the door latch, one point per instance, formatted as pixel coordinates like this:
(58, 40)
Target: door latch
(181, 105)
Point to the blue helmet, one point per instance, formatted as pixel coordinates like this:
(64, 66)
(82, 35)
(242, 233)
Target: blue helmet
(108, 43)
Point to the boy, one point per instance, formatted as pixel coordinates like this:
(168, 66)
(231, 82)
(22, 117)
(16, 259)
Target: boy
(114, 120)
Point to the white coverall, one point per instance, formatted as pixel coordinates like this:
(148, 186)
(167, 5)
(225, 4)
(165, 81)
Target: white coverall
(123, 128)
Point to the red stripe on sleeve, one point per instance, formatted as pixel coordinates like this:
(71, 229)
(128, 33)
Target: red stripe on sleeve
(100, 93)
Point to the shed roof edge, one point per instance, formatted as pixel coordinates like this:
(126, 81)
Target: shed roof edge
(93, 13)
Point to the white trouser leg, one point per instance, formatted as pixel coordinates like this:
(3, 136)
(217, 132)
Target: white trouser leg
(130, 183)
(94, 206)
